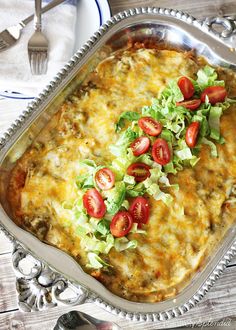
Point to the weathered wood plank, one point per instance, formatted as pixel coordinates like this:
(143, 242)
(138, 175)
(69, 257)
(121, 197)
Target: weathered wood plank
(5, 244)
(8, 295)
(196, 8)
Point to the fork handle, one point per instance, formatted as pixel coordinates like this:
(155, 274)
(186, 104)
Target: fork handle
(49, 6)
(37, 16)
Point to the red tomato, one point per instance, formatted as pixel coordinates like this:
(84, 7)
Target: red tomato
(105, 179)
(192, 133)
(121, 224)
(150, 126)
(190, 104)
(161, 152)
(140, 145)
(139, 209)
(186, 87)
(215, 94)
(94, 203)
(140, 171)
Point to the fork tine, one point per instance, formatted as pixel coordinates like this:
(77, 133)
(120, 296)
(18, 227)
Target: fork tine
(35, 63)
(44, 63)
(38, 45)
(38, 62)
(31, 60)
(41, 62)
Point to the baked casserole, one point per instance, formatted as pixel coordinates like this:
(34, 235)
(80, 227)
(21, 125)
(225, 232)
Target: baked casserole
(135, 175)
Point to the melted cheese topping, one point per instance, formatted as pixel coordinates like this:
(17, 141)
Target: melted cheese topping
(178, 237)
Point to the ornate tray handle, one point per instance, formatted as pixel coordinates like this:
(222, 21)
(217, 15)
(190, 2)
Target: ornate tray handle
(223, 27)
(39, 287)
(227, 23)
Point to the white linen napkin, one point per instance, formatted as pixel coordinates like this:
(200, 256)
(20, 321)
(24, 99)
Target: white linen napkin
(59, 27)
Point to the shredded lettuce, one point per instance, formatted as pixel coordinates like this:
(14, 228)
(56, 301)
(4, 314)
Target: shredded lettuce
(79, 214)
(157, 194)
(214, 122)
(208, 77)
(175, 91)
(87, 169)
(214, 152)
(151, 186)
(123, 243)
(115, 197)
(146, 159)
(170, 168)
(136, 230)
(103, 227)
(82, 230)
(135, 190)
(120, 164)
(88, 163)
(129, 179)
(95, 235)
(95, 261)
(123, 142)
(125, 204)
(93, 244)
(184, 154)
(128, 115)
(167, 135)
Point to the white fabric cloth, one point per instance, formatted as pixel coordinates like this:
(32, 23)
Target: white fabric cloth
(59, 27)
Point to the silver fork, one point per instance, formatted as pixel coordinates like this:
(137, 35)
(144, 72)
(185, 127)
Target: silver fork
(38, 45)
(12, 34)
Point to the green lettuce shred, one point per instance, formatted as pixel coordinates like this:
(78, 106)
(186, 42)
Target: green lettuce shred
(120, 148)
(128, 115)
(115, 197)
(123, 243)
(207, 77)
(214, 122)
(95, 236)
(95, 261)
(211, 144)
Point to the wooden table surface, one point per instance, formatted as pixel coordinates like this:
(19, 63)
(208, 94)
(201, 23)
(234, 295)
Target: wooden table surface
(220, 303)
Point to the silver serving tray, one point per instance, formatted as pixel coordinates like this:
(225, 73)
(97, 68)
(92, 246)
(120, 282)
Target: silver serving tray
(175, 29)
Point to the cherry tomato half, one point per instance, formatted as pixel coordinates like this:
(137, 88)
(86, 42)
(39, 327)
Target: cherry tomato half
(139, 209)
(140, 145)
(105, 179)
(121, 224)
(140, 171)
(215, 94)
(161, 152)
(150, 126)
(94, 204)
(192, 133)
(186, 87)
(190, 104)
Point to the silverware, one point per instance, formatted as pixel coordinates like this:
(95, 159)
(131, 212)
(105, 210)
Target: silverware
(12, 34)
(80, 321)
(38, 45)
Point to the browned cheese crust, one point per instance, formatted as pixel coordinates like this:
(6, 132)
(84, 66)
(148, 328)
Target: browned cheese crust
(179, 237)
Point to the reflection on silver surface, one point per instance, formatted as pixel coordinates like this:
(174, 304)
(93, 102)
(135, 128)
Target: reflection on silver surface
(173, 29)
(75, 320)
